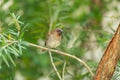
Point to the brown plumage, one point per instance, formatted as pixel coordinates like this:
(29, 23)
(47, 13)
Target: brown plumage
(54, 38)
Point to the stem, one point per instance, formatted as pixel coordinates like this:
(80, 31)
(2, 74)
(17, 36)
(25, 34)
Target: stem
(64, 54)
(10, 43)
(63, 72)
(54, 67)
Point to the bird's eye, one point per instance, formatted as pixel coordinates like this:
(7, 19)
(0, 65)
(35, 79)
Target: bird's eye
(58, 30)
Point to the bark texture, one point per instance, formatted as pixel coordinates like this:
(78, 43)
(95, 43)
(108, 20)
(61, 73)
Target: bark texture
(109, 60)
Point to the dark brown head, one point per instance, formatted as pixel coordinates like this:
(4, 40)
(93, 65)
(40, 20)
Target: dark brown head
(59, 31)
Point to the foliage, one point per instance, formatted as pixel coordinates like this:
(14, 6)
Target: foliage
(116, 75)
(11, 42)
(78, 18)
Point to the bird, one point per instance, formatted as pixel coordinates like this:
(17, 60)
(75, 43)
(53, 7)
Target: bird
(54, 38)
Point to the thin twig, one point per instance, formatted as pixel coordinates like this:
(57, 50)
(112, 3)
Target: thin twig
(10, 43)
(63, 72)
(54, 67)
(64, 54)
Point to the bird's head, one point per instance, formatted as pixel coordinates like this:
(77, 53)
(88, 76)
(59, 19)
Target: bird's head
(59, 31)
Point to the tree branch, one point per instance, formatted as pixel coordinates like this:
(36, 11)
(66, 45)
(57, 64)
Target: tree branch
(64, 54)
(109, 59)
(54, 67)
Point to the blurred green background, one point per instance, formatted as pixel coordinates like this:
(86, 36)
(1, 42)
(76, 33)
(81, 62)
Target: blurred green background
(88, 26)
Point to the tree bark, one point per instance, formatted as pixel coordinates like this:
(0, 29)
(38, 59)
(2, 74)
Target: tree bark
(109, 60)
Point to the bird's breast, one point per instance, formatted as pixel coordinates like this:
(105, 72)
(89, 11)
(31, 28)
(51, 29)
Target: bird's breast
(53, 41)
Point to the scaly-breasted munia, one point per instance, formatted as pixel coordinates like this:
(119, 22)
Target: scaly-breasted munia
(54, 38)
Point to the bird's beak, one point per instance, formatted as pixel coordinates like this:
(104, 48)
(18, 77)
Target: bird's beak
(61, 31)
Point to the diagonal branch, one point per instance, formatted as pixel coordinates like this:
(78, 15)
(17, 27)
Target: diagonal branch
(64, 54)
(110, 58)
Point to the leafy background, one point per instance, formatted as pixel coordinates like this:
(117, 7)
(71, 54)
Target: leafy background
(88, 27)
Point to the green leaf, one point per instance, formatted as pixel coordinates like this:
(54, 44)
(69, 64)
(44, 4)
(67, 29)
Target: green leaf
(13, 51)
(5, 60)
(21, 35)
(23, 29)
(0, 52)
(24, 43)
(14, 48)
(3, 39)
(20, 22)
(18, 17)
(9, 57)
(20, 49)
(0, 62)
